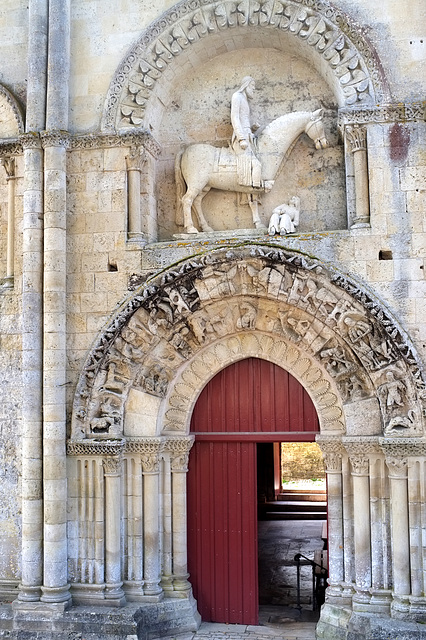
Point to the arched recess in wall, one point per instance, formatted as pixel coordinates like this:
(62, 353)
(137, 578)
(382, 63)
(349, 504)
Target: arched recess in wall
(146, 370)
(11, 116)
(189, 33)
(178, 79)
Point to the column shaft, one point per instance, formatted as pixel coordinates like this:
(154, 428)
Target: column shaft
(55, 587)
(362, 533)
(151, 534)
(113, 579)
(32, 371)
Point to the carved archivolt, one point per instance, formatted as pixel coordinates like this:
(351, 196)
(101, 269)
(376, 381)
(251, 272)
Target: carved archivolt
(187, 323)
(11, 117)
(337, 41)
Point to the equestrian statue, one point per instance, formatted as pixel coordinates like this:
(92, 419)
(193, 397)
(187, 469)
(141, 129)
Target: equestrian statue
(251, 163)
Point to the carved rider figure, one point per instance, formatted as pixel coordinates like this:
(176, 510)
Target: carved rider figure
(243, 140)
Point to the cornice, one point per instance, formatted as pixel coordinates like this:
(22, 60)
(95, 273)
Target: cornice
(382, 114)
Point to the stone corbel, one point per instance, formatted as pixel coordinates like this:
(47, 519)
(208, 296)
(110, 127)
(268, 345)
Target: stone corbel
(9, 166)
(357, 139)
(134, 162)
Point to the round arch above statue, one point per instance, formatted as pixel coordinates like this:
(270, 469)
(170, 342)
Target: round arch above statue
(185, 324)
(192, 32)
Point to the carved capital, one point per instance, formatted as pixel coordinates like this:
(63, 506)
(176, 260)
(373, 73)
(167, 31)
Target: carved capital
(135, 159)
(360, 466)
(357, 137)
(30, 140)
(112, 466)
(9, 166)
(150, 463)
(397, 468)
(332, 451)
(55, 139)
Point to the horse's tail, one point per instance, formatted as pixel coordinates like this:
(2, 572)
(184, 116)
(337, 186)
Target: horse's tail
(180, 188)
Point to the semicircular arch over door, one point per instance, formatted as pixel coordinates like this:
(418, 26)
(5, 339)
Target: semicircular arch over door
(248, 402)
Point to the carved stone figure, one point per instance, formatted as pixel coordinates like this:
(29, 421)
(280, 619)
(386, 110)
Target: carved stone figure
(243, 141)
(285, 218)
(201, 167)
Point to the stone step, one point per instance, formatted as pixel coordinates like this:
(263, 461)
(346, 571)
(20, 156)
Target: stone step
(317, 496)
(295, 505)
(294, 515)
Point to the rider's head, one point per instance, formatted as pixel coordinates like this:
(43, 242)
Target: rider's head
(248, 86)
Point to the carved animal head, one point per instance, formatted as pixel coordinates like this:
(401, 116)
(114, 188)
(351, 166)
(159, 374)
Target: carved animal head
(315, 130)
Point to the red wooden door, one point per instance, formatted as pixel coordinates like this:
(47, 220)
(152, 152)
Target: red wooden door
(222, 532)
(248, 402)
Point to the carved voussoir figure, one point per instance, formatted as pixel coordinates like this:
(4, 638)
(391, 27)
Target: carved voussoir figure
(249, 166)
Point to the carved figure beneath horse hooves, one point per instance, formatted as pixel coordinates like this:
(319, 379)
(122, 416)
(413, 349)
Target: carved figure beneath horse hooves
(198, 166)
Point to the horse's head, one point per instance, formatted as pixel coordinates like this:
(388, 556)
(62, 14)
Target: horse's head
(315, 130)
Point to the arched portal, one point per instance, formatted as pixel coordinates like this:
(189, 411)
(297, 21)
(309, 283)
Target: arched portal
(246, 403)
(131, 435)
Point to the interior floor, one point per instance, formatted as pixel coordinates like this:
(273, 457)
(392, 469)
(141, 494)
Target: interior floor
(279, 542)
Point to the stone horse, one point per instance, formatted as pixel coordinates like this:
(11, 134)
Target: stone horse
(201, 167)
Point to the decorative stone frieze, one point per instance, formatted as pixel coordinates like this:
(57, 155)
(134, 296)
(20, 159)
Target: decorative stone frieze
(403, 447)
(133, 139)
(322, 27)
(30, 140)
(55, 139)
(33, 139)
(95, 447)
(382, 114)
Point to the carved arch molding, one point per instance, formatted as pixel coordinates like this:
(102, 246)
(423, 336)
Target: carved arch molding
(333, 39)
(11, 117)
(189, 321)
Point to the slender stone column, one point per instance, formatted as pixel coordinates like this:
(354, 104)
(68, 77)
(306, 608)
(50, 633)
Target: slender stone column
(37, 64)
(166, 577)
(179, 466)
(134, 163)
(360, 476)
(55, 142)
(32, 370)
(400, 531)
(333, 461)
(113, 579)
(9, 167)
(357, 137)
(150, 470)
(380, 594)
(56, 588)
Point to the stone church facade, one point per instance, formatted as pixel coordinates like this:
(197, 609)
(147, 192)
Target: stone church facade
(114, 318)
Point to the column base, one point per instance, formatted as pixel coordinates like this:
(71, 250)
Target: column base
(362, 223)
(114, 595)
(56, 595)
(29, 594)
(8, 282)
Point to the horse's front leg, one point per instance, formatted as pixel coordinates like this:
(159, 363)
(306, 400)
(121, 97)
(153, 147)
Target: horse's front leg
(187, 201)
(254, 206)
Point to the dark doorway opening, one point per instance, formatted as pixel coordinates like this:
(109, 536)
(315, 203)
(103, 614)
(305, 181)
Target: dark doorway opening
(292, 504)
